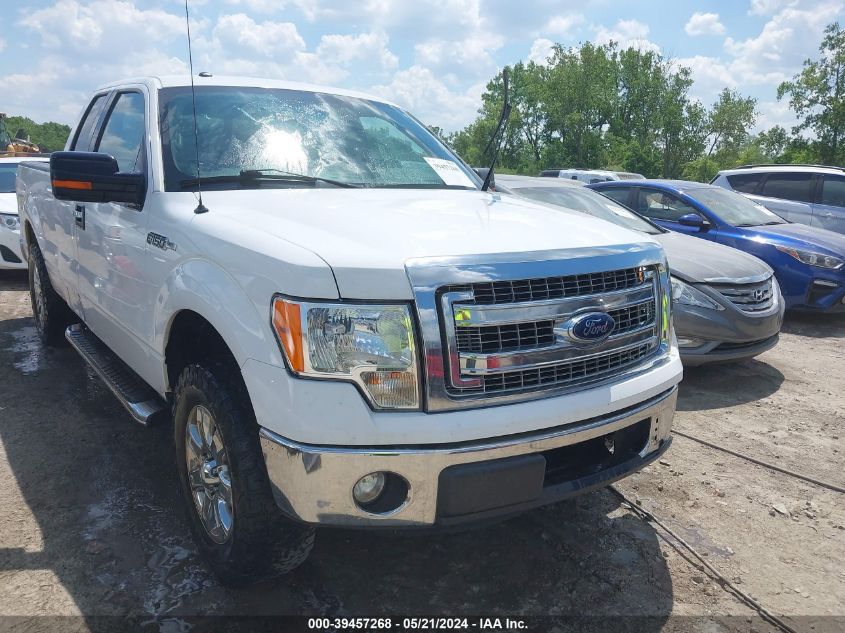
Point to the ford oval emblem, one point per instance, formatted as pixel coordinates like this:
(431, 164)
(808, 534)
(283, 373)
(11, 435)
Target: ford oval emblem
(589, 327)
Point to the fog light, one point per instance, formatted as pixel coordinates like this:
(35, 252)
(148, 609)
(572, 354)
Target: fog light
(368, 488)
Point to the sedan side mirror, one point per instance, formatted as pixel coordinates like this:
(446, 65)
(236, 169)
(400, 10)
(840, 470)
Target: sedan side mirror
(94, 177)
(695, 221)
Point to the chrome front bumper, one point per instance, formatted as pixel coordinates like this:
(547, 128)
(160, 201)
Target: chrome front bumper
(314, 483)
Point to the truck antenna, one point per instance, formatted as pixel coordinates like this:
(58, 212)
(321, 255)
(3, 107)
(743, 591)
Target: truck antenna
(201, 208)
(496, 140)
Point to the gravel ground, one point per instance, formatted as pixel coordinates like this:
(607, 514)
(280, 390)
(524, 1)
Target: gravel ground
(92, 524)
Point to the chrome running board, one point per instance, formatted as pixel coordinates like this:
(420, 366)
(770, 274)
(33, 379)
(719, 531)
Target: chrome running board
(139, 399)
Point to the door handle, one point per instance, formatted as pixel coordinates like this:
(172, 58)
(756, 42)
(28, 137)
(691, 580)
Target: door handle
(79, 216)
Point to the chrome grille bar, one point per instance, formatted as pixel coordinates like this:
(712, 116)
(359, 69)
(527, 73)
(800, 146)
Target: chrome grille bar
(468, 314)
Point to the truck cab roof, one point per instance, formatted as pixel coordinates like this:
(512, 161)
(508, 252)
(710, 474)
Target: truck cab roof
(156, 82)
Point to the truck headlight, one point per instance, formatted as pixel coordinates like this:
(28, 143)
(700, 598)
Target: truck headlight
(370, 345)
(811, 258)
(686, 294)
(10, 221)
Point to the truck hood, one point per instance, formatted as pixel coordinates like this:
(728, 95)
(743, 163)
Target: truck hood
(696, 260)
(799, 235)
(366, 235)
(8, 203)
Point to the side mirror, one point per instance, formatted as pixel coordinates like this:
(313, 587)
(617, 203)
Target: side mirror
(482, 173)
(94, 177)
(694, 220)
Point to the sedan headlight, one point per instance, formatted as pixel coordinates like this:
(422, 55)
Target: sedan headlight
(10, 221)
(686, 294)
(370, 345)
(811, 258)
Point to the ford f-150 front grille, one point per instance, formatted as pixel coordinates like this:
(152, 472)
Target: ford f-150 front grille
(512, 336)
(517, 326)
(757, 297)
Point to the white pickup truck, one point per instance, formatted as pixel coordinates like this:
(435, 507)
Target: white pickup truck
(348, 331)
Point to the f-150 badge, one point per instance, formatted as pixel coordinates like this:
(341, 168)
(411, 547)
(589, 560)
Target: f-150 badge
(160, 241)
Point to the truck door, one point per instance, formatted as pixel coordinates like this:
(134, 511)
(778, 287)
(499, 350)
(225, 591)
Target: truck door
(829, 209)
(115, 295)
(58, 218)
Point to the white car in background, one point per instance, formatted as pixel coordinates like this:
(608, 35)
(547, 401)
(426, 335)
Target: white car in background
(10, 235)
(590, 176)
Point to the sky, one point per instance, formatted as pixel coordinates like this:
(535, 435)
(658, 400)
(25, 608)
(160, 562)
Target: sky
(433, 57)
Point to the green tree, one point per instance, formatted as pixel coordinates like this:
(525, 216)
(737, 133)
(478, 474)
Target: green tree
(817, 96)
(729, 121)
(774, 142)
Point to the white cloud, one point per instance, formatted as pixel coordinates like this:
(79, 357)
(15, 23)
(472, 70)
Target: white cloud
(471, 56)
(711, 75)
(113, 25)
(421, 92)
(259, 6)
(771, 113)
(270, 39)
(628, 34)
(769, 7)
(704, 24)
(563, 25)
(347, 49)
(789, 37)
(541, 50)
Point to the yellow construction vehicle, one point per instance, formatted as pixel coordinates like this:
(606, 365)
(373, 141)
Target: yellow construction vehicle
(17, 145)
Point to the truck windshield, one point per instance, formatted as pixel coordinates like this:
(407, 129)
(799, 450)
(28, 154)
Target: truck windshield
(8, 171)
(332, 137)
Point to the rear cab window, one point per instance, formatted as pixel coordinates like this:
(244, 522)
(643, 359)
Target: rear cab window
(795, 186)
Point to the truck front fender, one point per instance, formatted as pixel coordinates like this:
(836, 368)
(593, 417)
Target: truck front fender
(205, 288)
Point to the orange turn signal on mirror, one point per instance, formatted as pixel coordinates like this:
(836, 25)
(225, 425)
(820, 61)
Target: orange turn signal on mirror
(71, 184)
(287, 321)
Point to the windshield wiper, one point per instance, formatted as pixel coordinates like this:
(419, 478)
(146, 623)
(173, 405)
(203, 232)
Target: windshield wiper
(259, 175)
(279, 174)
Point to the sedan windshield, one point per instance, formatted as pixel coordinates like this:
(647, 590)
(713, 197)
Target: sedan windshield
(734, 208)
(8, 171)
(326, 139)
(590, 202)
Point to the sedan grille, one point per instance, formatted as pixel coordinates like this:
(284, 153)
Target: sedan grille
(757, 297)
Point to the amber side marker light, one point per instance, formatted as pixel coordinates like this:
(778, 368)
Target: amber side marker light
(287, 321)
(71, 184)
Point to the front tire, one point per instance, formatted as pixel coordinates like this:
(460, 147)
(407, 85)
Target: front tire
(52, 315)
(235, 521)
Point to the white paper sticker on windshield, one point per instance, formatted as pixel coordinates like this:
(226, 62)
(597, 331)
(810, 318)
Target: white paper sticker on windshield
(449, 172)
